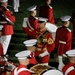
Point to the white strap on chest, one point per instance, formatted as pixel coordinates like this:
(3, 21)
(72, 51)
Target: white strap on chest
(20, 70)
(69, 69)
(15, 71)
(68, 29)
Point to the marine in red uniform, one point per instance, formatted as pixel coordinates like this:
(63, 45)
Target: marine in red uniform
(45, 43)
(31, 22)
(31, 46)
(69, 68)
(63, 38)
(46, 11)
(6, 19)
(23, 62)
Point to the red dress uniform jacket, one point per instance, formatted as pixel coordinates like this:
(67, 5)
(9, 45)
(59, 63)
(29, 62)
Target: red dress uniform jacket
(33, 22)
(32, 33)
(32, 59)
(24, 72)
(69, 69)
(1, 49)
(8, 28)
(46, 11)
(45, 42)
(63, 40)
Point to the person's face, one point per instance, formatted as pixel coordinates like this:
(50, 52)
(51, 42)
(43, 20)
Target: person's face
(24, 61)
(32, 48)
(48, 2)
(5, 4)
(41, 25)
(27, 61)
(33, 13)
(72, 59)
(67, 23)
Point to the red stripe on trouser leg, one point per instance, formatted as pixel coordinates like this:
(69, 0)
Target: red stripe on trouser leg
(1, 49)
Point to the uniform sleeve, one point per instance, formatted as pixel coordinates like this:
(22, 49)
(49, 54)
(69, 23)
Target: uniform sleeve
(29, 32)
(10, 16)
(51, 16)
(69, 40)
(50, 42)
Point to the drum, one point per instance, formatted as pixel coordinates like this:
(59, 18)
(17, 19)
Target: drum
(40, 68)
(52, 72)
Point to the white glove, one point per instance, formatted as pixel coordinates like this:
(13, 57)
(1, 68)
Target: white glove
(61, 64)
(44, 54)
(24, 22)
(10, 66)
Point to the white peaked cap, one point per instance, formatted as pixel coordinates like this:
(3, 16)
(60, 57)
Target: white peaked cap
(51, 27)
(53, 72)
(3, 0)
(42, 19)
(65, 18)
(30, 42)
(32, 8)
(1, 26)
(23, 54)
(71, 53)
